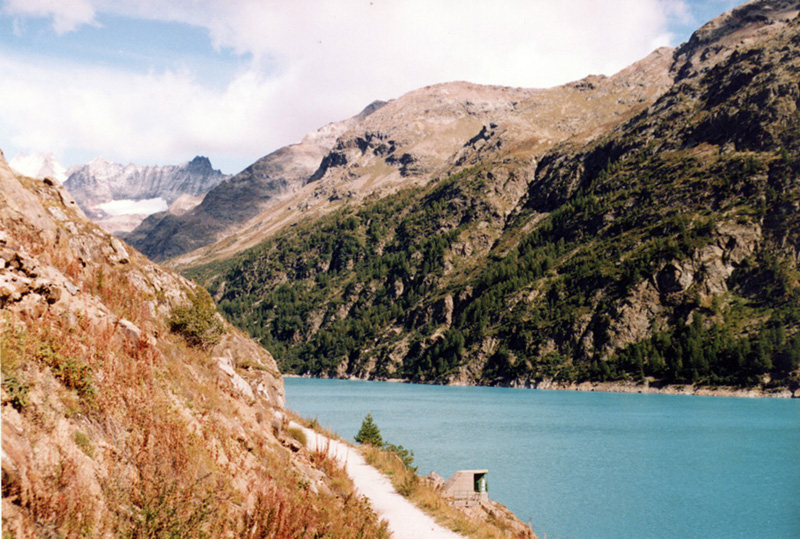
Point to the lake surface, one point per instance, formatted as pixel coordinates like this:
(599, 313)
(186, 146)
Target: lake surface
(592, 464)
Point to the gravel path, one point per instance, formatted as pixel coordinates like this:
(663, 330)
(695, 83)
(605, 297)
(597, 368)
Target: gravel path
(405, 520)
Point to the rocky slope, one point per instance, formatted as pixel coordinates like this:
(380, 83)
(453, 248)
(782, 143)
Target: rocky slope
(642, 227)
(130, 408)
(229, 205)
(100, 182)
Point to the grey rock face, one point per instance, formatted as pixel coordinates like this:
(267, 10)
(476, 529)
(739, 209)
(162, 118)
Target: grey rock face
(100, 181)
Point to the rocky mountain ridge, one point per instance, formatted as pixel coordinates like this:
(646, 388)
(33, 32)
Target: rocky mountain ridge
(640, 227)
(263, 184)
(100, 182)
(404, 142)
(103, 181)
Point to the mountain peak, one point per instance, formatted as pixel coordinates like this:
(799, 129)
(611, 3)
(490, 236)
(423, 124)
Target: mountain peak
(200, 165)
(200, 160)
(99, 161)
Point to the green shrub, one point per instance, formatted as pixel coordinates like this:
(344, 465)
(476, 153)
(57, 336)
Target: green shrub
(197, 323)
(84, 443)
(409, 485)
(17, 391)
(297, 434)
(405, 455)
(73, 372)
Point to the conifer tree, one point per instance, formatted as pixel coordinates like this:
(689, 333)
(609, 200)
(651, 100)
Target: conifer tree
(369, 433)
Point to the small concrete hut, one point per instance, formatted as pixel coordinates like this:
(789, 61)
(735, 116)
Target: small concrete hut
(467, 487)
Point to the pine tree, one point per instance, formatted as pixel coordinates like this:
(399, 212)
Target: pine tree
(369, 433)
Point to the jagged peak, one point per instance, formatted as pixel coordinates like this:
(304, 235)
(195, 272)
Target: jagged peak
(98, 162)
(200, 165)
(200, 160)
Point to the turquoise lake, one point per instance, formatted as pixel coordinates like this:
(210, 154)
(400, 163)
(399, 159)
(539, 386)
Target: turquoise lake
(592, 464)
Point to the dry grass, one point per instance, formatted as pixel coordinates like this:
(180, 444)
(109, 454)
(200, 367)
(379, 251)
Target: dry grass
(296, 512)
(314, 425)
(423, 495)
(142, 438)
(162, 478)
(298, 435)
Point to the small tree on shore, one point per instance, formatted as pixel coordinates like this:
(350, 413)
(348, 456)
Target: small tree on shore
(369, 433)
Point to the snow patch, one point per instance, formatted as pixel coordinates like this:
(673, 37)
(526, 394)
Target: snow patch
(145, 206)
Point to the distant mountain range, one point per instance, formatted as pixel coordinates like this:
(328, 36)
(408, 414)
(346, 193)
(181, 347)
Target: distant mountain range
(642, 228)
(118, 197)
(100, 182)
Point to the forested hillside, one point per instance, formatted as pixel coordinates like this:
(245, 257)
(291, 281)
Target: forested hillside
(663, 250)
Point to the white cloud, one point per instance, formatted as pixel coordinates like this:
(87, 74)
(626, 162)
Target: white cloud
(67, 15)
(312, 63)
(125, 116)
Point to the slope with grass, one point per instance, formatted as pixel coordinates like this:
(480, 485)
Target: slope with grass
(130, 407)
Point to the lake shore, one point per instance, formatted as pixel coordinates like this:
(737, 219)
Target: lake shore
(688, 389)
(553, 454)
(629, 387)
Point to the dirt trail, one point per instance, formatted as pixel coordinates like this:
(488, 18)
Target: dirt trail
(406, 521)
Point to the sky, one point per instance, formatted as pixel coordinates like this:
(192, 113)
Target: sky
(158, 82)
